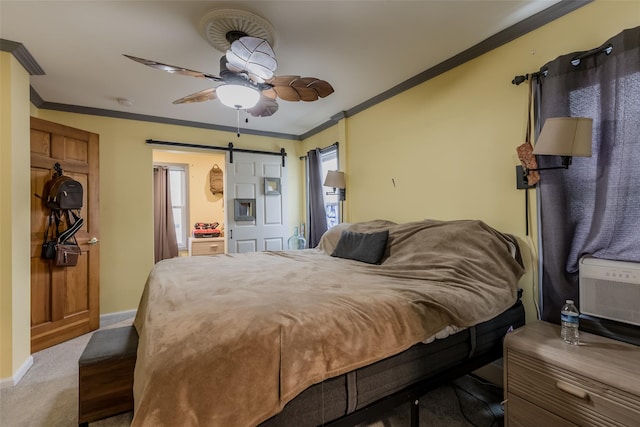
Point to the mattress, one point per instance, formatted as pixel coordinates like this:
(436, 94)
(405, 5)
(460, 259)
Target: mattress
(337, 397)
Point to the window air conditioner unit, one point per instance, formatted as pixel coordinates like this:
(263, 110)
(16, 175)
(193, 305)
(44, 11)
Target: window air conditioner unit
(610, 289)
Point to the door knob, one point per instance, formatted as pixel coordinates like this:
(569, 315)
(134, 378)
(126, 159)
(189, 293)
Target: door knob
(93, 241)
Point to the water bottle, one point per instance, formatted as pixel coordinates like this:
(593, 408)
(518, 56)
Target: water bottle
(569, 319)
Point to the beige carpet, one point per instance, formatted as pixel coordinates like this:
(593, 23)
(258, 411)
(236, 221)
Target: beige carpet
(47, 396)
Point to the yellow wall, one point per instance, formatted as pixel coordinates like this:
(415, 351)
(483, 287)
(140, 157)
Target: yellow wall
(449, 144)
(15, 190)
(203, 205)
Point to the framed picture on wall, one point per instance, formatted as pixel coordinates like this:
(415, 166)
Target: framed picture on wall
(244, 209)
(272, 186)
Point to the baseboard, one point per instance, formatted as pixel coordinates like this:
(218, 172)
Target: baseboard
(17, 376)
(112, 318)
(105, 320)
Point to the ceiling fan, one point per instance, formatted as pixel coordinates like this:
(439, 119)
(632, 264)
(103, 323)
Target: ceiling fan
(246, 80)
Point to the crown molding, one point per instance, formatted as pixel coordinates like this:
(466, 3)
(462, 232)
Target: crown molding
(23, 56)
(505, 36)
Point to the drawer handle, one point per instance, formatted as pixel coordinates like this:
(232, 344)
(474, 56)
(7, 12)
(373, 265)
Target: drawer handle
(572, 390)
(213, 246)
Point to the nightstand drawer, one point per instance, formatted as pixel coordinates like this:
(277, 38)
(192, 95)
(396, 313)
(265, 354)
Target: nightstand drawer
(572, 396)
(521, 413)
(206, 246)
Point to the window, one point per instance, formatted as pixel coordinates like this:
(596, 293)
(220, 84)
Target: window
(592, 208)
(179, 202)
(329, 157)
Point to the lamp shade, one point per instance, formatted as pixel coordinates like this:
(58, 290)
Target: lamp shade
(237, 96)
(565, 136)
(334, 179)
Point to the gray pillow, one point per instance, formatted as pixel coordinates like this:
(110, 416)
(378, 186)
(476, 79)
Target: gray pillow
(365, 247)
(331, 237)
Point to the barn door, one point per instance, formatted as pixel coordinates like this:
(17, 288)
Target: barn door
(65, 301)
(256, 214)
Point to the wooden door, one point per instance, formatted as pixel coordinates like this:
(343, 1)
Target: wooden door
(65, 301)
(265, 228)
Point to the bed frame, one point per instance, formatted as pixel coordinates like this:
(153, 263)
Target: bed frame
(369, 392)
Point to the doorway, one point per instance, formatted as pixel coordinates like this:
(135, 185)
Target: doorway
(193, 201)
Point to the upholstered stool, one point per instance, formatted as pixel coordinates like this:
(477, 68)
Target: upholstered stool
(106, 374)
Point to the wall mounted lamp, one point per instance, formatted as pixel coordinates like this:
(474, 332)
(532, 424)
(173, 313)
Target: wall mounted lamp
(335, 179)
(563, 136)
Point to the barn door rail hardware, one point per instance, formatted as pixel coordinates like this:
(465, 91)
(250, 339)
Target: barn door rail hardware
(230, 148)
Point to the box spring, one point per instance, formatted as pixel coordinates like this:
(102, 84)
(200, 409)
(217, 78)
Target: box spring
(371, 390)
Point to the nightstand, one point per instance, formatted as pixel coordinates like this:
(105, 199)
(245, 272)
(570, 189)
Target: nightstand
(550, 383)
(206, 246)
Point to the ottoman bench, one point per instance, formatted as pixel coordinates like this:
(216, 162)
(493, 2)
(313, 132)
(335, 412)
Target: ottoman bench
(106, 374)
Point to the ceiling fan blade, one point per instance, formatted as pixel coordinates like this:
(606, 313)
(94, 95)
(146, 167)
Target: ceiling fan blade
(203, 95)
(174, 69)
(264, 108)
(269, 93)
(321, 87)
(296, 88)
(254, 56)
(287, 93)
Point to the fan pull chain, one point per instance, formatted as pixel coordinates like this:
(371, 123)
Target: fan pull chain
(246, 120)
(238, 112)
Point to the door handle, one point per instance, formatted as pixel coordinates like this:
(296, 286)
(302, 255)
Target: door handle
(93, 241)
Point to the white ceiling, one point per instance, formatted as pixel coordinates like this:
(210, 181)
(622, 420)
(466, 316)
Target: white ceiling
(362, 47)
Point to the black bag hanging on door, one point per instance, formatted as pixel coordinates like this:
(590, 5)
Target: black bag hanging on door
(62, 195)
(67, 249)
(62, 192)
(63, 247)
(49, 244)
(67, 254)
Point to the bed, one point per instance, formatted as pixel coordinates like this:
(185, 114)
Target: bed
(306, 338)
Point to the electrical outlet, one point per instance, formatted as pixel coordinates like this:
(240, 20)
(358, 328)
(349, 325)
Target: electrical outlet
(521, 181)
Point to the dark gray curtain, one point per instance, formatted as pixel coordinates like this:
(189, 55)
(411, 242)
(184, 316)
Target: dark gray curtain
(164, 232)
(317, 214)
(593, 208)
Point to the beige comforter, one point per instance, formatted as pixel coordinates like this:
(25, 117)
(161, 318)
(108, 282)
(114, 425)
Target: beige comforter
(229, 340)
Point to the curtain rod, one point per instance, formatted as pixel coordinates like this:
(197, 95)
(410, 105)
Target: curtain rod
(228, 148)
(575, 61)
(322, 150)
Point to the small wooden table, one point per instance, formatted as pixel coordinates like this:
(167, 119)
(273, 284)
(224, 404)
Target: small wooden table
(199, 246)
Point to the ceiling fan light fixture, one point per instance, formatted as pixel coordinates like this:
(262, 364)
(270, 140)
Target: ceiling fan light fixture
(237, 96)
